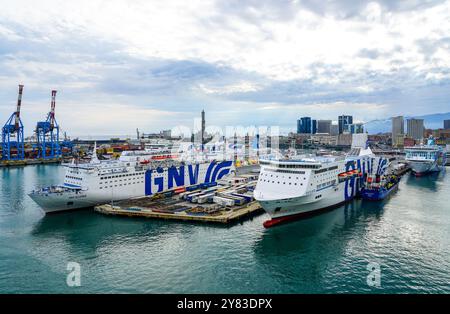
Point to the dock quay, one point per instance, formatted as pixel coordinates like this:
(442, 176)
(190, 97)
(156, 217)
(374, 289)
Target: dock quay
(223, 216)
(224, 202)
(26, 162)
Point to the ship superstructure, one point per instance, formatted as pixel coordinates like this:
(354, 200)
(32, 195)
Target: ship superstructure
(425, 159)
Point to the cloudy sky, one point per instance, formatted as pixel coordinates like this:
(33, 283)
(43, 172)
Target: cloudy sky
(118, 65)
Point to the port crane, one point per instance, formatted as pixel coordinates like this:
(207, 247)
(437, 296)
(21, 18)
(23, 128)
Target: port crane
(47, 134)
(12, 134)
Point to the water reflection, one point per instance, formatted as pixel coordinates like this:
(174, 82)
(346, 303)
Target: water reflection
(430, 181)
(294, 236)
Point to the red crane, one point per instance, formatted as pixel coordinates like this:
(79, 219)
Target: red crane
(19, 104)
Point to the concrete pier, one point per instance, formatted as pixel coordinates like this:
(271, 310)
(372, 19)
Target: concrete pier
(222, 216)
(26, 162)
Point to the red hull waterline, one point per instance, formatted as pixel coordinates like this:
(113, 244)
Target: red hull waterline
(422, 174)
(277, 221)
(282, 220)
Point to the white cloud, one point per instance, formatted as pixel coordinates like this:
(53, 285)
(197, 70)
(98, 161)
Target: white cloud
(319, 60)
(240, 87)
(278, 49)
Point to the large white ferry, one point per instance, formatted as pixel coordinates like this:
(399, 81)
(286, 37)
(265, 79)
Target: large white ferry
(424, 159)
(297, 186)
(134, 174)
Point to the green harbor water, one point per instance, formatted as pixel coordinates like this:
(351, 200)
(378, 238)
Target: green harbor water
(408, 236)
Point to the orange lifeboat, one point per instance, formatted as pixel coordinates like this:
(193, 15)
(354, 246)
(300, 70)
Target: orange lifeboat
(180, 190)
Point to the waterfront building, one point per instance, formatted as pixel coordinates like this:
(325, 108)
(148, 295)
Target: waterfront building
(344, 139)
(398, 131)
(304, 125)
(442, 136)
(324, 139)
(334, 129)
(398, 141)
(299, 126)
(313, 126)
(324, 126)
(408, 142)
(415, 129)
(343, 122)
(447, 124)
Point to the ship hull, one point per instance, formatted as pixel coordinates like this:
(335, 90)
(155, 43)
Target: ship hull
(421, 168)
(124, 186)
(290, 209)
(379, 194)
(58, 203)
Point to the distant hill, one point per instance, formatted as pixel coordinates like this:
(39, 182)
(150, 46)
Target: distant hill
(431, 121)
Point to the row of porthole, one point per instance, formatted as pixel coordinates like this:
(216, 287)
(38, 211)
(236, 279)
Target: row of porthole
(120, 185)
(265, 174)
(121, 180)
(75, 178)
(278, 182)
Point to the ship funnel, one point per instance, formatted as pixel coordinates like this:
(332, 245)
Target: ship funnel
(360, 140)
(94, 158)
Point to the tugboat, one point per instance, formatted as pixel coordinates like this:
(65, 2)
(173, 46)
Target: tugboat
(380, 188)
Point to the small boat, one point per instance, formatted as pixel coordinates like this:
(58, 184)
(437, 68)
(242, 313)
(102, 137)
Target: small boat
(380, 189)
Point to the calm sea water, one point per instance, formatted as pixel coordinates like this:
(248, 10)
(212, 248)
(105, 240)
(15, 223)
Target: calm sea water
(407, 235)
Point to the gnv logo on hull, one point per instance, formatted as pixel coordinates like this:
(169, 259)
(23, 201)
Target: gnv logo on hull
(365, 166)
(354, 185)
(176, 177)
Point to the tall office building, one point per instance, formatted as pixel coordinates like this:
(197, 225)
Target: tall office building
(415, 128)
(304, 126)
(398, 131)
(398, 126)
(324, 126)
(344, 121)
(313, 126)
(334, 129)
(447, 124)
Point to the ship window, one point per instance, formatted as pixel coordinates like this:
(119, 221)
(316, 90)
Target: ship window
(69, 203)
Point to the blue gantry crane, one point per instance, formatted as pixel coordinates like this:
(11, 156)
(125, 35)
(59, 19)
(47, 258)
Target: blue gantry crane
(12, 134)
(47, 134)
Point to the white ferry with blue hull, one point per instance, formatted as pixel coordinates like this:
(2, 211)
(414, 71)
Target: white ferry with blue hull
(287, 189)
(99, 182)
